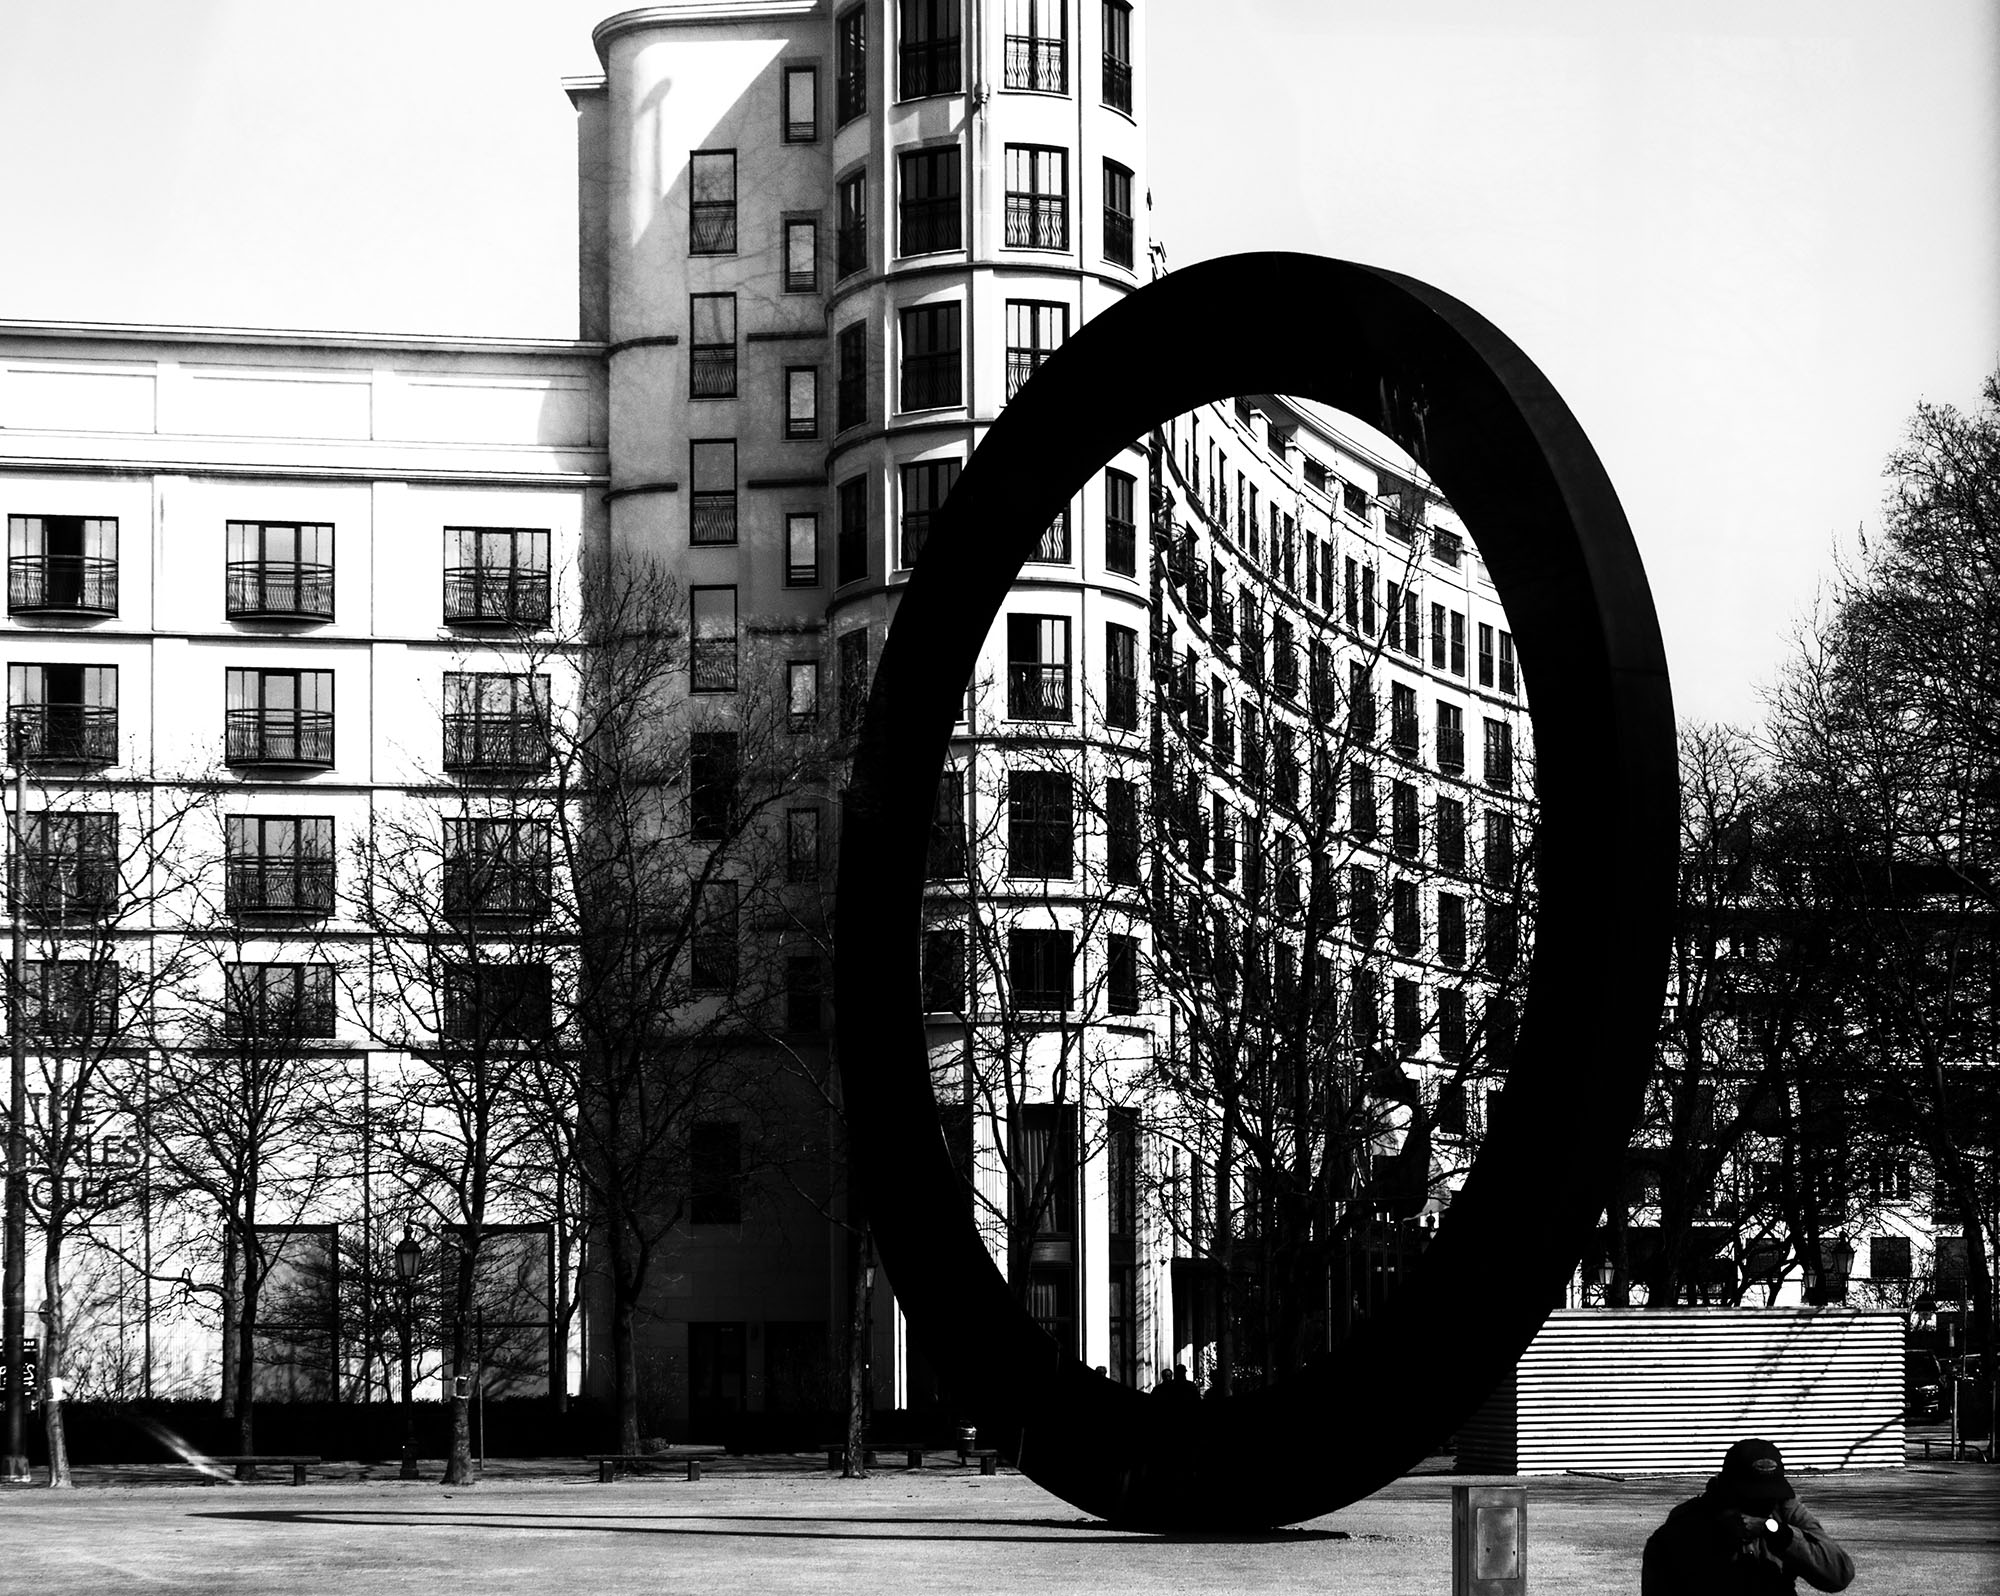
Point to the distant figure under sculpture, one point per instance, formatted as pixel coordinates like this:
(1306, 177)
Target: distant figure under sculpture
(1745, 1533)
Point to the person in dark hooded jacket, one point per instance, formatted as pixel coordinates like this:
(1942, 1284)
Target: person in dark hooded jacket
(1746, 1533)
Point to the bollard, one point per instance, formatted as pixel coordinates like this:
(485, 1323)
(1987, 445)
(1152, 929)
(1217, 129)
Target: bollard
(1489, 1540)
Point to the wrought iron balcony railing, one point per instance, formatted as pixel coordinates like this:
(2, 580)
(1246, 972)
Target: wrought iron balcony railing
(929, 66)
(494, 889)
(278, 737)
(1117, 238)
(65, 734)
(1451, 751)
(714, 518)
(712, 371)
(1118, 85)
(929, 225)
(930, 382)
(712, 227)
(490, 595)
(63, 884)
(279, 590)
(494, 742)
(62, 584)
(278, 884)
(1038, 692)
(1037, 63)
(1037, 221)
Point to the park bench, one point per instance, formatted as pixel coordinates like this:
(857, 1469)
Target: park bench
(609, 1463)
(913, 1457)
(246, 1466)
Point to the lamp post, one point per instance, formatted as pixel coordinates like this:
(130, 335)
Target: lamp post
(14, 1285)
(409, 1261)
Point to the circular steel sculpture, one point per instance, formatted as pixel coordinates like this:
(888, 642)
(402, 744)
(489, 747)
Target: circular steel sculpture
(1511, 459)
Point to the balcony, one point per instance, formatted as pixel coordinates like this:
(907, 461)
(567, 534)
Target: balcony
(63, 884)
(712, 371)
(1121, 702)
(1037, 221)
(1118, 85)
(1197, 591)
(930, 225)
(494, 742)
(712, 227)
(65, 734)
(1451, 750)
(713, 518)
(850, 250)
(1117, 237)
(477, 888)
(1037, 63)
(1285, 670)
(929, 66)
(279, 590)
(485, 595)
(1403, 735)
(61, 584)
(930, 382)
(279, 737)
(278, 884)
(1223, 631)
(1037, 692)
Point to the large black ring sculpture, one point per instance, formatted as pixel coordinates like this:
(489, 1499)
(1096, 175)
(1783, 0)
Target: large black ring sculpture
(1512, 460)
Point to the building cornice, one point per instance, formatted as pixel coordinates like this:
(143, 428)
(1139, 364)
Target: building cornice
(446, 476)
(681, 13)
(293, 338)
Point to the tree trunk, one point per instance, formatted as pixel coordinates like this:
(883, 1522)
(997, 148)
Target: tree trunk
(246, 1353)
(55, 1347)
(458, 1467)
(230, 1281)
(625, 1361)
(855, 1466)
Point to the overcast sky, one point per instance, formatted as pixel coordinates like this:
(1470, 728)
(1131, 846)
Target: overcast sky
(1742, 238)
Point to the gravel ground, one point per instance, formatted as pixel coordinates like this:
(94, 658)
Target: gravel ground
(783, 1525)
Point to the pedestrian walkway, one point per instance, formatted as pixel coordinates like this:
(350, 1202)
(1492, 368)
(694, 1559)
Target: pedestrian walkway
(785, 1525)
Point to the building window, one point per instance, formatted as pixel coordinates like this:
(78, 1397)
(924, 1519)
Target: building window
(946, 858)
(62, 565)
(801, 845)
(1368, 601)
(1437, 637)
(801, 104)
(802, 548)
(1405, 923)
(1035, 330)
(712, 965)
(275, 1001)
(1451, 929)
(1450, 739)
(1451, 1048)
(1360, 703)
(1450, 824)
(715, 1173)
(802, 992)
(927, 48)
(1502, 939)
(279, 570)
(1117, 214)
(1039, 967)
(851, 401)
(1499, 848)
(850, 65)
(1121, 974)
(1361, 820)
(1499, 756)
(1040, 834)
(850, 229)
(1404, 829)
(853, 658)
(1509, 682)
(1889, 1258)
(712, 615)
(1121, 832)
(69, 864)
(495, 720)
(802, 401)
(1403, 719)
(496, 576)
(278, 717)
(1457, 643)
(1037, 197)
(70, 998)
(1038, 45)
(925, 486)
(930, 356)
(278, 864)
(63, 714)
(1118, 56)
(944, 972)
(712, 346)
(801, 255)
(1408, 1016)
(1038, 667)
(714, 770)
(712, 202)
(851, 552)
(486, 1003)
(496, 868)
(928, 210)
(1121, 677)
(712, 472)
(802, 694)
(1485, 655)
(1364, 904)
(1121, 533)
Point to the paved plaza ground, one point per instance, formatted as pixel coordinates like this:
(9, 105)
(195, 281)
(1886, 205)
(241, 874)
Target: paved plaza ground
(778, 1525)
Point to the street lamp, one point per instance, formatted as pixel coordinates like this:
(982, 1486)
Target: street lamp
(409, 1261)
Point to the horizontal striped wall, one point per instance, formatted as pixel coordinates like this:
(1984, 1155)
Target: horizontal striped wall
(1638, 1390)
